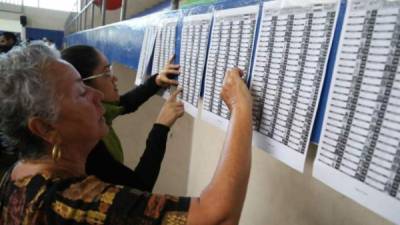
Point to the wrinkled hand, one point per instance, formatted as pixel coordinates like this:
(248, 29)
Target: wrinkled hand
(166, 77)
(234, 90)
(172, 110)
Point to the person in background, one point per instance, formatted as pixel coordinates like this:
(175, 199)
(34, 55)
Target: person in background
(7, 41)
(7, 155)
(49, 42)
(55, 121)
(106, 159)
(52, 44)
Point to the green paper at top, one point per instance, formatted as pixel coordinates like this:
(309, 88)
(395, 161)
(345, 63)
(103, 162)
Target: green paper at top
(189, 3)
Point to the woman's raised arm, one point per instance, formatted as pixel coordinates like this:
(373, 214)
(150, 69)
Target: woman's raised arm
(222, 200)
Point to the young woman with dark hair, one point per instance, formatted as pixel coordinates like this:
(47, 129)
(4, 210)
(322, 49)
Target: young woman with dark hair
(106, 160)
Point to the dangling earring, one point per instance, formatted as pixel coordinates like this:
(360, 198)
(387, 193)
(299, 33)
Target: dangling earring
(56, 152)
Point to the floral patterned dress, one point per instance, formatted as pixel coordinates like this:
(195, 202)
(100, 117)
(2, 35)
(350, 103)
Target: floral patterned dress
(46, 199)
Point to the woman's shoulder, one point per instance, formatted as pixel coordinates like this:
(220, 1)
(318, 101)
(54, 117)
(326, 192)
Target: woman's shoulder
(85, 188)
(44, 182)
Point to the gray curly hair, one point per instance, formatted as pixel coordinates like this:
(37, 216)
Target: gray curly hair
(24, 93)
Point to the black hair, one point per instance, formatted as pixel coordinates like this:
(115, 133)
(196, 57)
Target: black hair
(84, 58)
(10, 35)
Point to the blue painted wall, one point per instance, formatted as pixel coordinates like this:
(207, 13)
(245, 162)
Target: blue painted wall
(121, 42)
(56, 36)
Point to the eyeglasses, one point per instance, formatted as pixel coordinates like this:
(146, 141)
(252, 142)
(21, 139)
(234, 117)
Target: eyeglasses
(108, 73)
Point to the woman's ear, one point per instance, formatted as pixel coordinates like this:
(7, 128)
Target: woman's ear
(42, 129)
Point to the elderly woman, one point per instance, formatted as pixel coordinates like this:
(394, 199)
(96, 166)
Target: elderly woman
(55, 120)
(105, 161)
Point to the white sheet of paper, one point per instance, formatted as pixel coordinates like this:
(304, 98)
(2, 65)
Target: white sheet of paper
(149, 41)
(231, 45)
(290, 103)
(165, 43)
(194, 40)
(360, 138)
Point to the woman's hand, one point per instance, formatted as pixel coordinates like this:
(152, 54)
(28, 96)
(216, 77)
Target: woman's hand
(234, 92)
(166, 77)
(171, 111)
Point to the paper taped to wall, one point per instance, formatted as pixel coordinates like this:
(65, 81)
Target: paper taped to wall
(165, 43)
(149, 40)
(194, 43)
(231, 45)
(290, 63)
(359, 151)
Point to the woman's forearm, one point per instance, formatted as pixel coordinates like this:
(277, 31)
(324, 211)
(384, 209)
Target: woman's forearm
(222, 201)
(149, 165)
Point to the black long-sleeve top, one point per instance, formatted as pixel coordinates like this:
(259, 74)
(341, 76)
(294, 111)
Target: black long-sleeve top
(101, 163)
